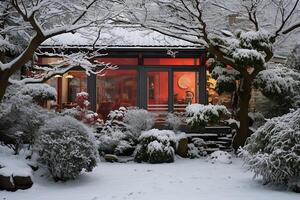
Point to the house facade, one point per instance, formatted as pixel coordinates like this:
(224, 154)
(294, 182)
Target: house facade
(154, 72)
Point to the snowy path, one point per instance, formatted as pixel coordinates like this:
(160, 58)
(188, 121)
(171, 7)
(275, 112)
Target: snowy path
(184, 179)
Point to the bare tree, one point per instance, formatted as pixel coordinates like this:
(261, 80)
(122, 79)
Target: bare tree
(26, 24)
(202, 22)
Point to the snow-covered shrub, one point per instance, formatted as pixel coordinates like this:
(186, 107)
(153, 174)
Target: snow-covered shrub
(198, 115)
(138, 120)
(273, 151)
(226, 78)
(39, 92)
(220, 157)
(197, 148)
(174, 120)
(281, 85)
(293, 60)
(114, 122)
(66, 147)
(156, 146)
(113, 136)
(115, 142)
(20, 114)
(193, 151)
(82, 112)
(119, 134)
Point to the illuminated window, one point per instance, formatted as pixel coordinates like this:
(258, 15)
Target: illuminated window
(185, 89)
(157, 91)
(172, 61)
(115, 89)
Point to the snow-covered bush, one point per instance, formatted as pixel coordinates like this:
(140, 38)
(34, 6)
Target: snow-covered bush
(113, 136)
(226, 77)
(198, 115)
(39, 92)
(156, 146)
(281, 85)
(119, 134)
(197, 148)
(20, 116)
(82, 112)
(174, 120)
(138, 120)
(273, 151)
(115, 142)
(66, 147)
(293, 60)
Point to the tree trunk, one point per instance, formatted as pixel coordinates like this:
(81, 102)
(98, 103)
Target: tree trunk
(244, 99)
(3, 83)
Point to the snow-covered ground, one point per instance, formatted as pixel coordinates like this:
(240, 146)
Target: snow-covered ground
(184, 179)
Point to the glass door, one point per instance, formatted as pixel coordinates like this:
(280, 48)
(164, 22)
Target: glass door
(185, 89)
(157, 91)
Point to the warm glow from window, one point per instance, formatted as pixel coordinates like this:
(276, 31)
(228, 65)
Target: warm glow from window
(115, 89)
(172, 61)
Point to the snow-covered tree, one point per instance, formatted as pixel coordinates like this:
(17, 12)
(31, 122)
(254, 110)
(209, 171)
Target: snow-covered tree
(66, 147)
(26, 24)
(273, 151)
(203, 22)
(280, 84)
(293, 60)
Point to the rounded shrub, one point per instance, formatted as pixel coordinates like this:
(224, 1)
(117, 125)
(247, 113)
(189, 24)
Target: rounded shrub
(156, 146)
(273, 151)
(66, 147)
(198, 115)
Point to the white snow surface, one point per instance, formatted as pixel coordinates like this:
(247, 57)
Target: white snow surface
(185, 179)
(11, 164)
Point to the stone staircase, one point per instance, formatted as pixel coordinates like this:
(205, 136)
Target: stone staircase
(216, 137)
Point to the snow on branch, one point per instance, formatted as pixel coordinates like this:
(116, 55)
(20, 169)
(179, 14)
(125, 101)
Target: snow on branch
(41, 20)
(65, 63)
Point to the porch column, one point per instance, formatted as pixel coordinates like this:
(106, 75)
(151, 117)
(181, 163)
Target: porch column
(171, 90)
(202, 81)
(91, 89)
(142, 87)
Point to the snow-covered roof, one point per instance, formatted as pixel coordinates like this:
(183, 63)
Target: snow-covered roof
(118, 37)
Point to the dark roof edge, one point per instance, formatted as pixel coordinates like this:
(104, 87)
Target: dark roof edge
(122, 47)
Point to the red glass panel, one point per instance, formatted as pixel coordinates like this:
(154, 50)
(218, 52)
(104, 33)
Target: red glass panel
(172, 61)
(119, 61)
(185, 89)
(115, 89)
(157, 91)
